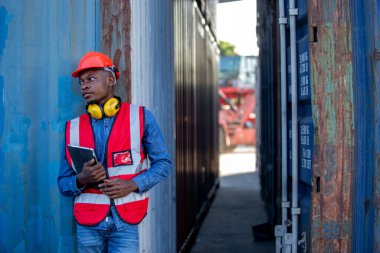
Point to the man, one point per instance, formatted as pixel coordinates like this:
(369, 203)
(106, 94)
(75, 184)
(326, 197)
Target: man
(111, 195)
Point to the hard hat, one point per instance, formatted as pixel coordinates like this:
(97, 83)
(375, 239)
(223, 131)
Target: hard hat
(96, 60)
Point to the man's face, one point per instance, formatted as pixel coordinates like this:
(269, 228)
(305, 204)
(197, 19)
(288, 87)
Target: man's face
(96, 85)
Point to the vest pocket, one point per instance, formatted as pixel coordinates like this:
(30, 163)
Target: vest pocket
(121, 158)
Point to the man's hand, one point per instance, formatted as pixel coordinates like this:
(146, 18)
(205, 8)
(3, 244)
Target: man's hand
(92, 172)
(117, 188)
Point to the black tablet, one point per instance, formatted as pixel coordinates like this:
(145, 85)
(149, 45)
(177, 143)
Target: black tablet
(80, 155)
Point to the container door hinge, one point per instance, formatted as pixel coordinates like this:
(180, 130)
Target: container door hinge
(287, 223)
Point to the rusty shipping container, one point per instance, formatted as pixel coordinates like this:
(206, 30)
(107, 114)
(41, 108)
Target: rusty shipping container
(41, 42)
(337, 48)
(196, 61)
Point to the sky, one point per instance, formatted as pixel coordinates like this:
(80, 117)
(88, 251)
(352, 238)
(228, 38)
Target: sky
(236, 23)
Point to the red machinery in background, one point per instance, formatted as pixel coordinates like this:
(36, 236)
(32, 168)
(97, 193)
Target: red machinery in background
(237, 120)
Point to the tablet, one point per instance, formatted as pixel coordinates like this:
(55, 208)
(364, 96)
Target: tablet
(80, 155)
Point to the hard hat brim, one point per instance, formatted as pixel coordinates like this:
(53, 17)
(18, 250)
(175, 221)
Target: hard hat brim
(77, 72)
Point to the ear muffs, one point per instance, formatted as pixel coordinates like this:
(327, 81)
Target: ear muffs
(95, 111)
(110, 108)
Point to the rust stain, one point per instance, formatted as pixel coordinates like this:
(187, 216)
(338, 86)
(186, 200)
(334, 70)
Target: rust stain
(116, 41)
(332, 99)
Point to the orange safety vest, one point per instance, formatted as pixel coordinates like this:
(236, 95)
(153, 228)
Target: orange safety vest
(124, 159)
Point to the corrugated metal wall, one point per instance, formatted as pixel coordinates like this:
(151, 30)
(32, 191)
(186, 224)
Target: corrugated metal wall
(185, 127)
(41, 42)
(372, 58)
(196, 63)
(39, 46)
(366, 71)
(342, 41)
(153, 86)
(266, 119)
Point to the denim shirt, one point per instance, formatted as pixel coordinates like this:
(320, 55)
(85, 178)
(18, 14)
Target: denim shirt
(153, 145)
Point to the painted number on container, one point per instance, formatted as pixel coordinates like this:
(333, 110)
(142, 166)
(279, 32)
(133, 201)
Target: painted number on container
(305, 146)
(304, 74)
(304, 92)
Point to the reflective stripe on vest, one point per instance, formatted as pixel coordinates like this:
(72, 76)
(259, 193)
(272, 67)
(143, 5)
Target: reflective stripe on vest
(124, 159)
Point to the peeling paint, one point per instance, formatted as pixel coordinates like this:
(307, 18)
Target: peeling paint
(116, 41)
(331, 74)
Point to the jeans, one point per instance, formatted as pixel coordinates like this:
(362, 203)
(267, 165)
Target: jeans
(92, 240)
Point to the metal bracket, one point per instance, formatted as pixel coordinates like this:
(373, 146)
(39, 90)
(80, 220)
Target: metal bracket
(288, 239)
(279, 230)
(282, 21)
(296, 210)
(293, 12)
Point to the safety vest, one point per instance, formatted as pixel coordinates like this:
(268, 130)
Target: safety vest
(124, 159)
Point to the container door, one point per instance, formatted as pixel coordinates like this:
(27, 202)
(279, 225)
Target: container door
(305, 123)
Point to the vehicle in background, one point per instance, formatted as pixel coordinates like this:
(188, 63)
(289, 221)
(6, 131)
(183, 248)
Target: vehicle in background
(237, 119)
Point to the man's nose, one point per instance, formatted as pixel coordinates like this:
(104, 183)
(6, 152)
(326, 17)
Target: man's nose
(84, 86)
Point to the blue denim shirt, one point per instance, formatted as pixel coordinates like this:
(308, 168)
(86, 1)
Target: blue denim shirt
(153, 145)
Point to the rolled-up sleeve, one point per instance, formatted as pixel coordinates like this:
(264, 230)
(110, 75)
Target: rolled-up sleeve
(159, 157)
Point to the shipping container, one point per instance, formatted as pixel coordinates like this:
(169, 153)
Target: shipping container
(196, 61)
(266, 110)
(41, 42)
(336, 77)
(40, 46)
(152, 73)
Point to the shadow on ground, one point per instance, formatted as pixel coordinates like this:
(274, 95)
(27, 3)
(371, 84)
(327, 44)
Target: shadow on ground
(236, 208)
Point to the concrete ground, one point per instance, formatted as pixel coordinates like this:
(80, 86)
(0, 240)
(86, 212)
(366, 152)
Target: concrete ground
(236, 208)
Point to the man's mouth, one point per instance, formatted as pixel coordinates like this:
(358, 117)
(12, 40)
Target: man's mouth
(86, 95)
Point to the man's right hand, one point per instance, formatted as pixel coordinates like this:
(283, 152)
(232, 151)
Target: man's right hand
(92, 172)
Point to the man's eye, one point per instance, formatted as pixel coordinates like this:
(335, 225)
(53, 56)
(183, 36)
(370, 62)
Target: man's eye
(81, 82)
(92, 79)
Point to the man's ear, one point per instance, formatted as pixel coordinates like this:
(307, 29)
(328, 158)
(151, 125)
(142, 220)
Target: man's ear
(110, 81)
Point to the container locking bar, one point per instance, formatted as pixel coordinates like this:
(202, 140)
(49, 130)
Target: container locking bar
(288, 242)
(279, 231)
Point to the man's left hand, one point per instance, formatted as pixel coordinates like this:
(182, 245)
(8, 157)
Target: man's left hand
(117, 188)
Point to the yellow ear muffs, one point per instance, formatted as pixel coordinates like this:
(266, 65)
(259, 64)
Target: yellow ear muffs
(95, 111)
(112, 106)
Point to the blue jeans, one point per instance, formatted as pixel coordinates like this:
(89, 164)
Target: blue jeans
(112, 241)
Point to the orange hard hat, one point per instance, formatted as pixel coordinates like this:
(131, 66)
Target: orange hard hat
(96, 60)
